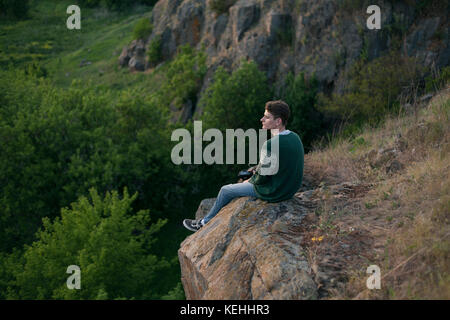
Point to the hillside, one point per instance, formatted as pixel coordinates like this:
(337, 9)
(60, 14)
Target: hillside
(87, 119)
(400, 206)
(379, 199)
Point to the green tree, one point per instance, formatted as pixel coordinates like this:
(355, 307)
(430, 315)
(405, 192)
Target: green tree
(109, 243)
(236, 100)
(184, 77)
(373, 91)
(300, 94)
(56, 144)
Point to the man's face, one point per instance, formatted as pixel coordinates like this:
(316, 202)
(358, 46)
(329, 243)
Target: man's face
(269, 122)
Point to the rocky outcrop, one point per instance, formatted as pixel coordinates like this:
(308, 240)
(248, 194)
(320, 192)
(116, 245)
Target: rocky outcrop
(257, 250)
(322, 37)
(134, 56)
(250, 250)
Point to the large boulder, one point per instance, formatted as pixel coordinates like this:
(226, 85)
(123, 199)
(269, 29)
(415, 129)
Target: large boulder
(250, 250)
(134, 56)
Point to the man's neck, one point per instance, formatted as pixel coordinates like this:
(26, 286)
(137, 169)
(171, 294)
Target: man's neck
(277, 131)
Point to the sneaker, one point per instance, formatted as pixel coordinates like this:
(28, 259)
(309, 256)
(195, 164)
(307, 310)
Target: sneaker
(193, 225)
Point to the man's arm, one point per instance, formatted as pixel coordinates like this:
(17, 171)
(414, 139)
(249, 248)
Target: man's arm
(264, 163)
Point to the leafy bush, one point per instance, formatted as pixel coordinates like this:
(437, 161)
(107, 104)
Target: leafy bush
(154, 51)
(300, 94)
(437, 81)
(142, 29)
(373, 90)
(184, 76)
(109, 244)
(236, 100)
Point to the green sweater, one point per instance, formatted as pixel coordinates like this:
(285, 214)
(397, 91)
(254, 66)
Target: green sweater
(285, 183)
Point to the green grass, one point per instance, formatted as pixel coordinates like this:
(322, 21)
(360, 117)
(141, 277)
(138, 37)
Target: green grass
(45, 38)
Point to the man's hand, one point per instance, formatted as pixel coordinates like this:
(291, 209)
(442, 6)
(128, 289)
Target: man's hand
(252, 169)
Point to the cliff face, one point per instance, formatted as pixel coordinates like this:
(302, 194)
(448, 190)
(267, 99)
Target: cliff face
(313, 36)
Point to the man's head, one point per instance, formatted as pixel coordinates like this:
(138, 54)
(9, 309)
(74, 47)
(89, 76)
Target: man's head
(276, 115)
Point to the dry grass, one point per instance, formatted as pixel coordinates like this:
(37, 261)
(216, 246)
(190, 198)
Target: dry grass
(406, 213)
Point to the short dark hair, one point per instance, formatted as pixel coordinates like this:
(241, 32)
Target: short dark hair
(279, 109)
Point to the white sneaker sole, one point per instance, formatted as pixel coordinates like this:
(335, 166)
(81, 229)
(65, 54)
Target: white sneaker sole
(188, 227)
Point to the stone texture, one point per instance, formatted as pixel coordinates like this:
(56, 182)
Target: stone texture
(326, 39)
(124, 57)
(134, 56)
(204, 207)
(249, 250)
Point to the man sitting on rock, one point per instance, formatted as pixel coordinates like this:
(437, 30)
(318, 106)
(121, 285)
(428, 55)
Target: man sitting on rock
(266, 184)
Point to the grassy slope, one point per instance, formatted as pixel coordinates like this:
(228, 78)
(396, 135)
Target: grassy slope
(404, 215)
(44, 37)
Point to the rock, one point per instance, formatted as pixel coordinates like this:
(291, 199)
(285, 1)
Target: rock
(382, 157)
(204, 207)
(394, 166)
(249, 250)
(243, 15)
(311, 37)
(137, 64)
(84, 62)
(189, 22)
(418, 40)
(134, 56)
(124, 57)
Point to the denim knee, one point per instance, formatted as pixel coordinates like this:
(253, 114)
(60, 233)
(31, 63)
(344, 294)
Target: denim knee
(226, 188)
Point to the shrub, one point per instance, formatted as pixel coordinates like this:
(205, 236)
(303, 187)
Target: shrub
(300, 94)
(438, 80)
(236, 100)
(185, 75)
(106, 240)
(142, 29)
(373, 91)
(154, 51)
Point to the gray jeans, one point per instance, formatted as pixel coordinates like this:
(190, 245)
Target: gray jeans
(228, 193)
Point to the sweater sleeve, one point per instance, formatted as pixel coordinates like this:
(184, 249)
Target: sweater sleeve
(258, 178)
